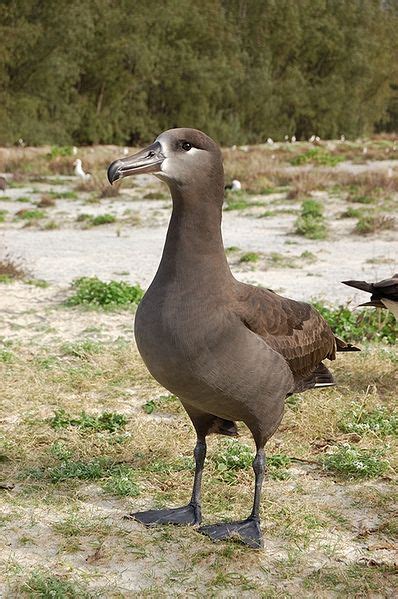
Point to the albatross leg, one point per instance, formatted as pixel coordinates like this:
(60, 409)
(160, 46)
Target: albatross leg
(246, 531)
(187, 514)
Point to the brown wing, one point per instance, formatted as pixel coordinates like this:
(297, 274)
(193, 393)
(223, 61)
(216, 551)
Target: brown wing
(294, 329)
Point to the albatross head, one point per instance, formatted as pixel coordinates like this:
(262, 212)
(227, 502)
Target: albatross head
(178, 156)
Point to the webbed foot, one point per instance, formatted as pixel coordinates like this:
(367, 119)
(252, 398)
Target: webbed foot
(188, 514)
(246, 531)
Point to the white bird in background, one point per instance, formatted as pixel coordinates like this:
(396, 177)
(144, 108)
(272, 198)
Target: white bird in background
(235, 185)
(312, 139)
(74, 150)
(270, 141)
(286, 138)
(342, 138)
(293, 139)
(79, 172)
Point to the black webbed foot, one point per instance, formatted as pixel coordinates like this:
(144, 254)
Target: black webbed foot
(189, 515)
(246, 531)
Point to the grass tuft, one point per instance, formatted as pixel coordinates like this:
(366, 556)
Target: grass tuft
(352, 462)
(92, 292)
(379, 421)
(311, 222)
(108, 421)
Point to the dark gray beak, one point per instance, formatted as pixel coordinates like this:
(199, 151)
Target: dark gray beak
(145, 161)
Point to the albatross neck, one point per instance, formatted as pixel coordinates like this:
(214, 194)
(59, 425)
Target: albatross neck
(194, 246)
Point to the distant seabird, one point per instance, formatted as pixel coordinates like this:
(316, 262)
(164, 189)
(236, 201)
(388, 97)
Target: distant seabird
(79, 172)
(235, 185)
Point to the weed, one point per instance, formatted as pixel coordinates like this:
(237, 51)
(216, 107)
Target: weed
(41, 283)
(46, 201)
(57, 151)
(155, 405)
(23, 199)
(63, 195)
(250, 257)
(351, 213)
(233, 456)
(103, 219)
(45, 585)
(352, 462)
(379, 421)
(317, 156)
(311, 222)
(277, 465)
(50, 225)
(3, 214)
(10, 269)
(360, 325)
(82, 349)
(91, 291)
(121, 482)
(30, 214)
(374, 223)
(108, 421)
(155, 195)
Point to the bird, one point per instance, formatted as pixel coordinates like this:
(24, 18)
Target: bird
(78, 170)
(235, 185)
(3, 184)
(384, 294)
(228, 350)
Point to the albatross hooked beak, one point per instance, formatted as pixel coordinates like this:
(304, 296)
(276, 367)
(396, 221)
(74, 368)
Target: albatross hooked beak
(145, 161)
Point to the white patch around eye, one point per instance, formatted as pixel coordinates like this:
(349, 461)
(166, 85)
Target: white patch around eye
(193, 151)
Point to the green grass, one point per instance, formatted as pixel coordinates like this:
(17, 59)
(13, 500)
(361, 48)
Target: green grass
(250, 257)
(317, 156)
(156, 405)
(45, 585)
(108, 421)
(3, 214)
(379, 421)
(92, 292)
(121, 482)
(31, 214)
(57, 151)
(352, 462)
(360, 325)
(351, 213)
(311, 222)
(232, 457)
(373, 223)
(103, 219)
(64, 195)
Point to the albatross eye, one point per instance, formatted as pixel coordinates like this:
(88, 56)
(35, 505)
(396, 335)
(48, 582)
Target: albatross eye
(186, 146)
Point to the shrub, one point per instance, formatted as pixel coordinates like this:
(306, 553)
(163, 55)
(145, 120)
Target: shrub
(91, 291)
(352, 462)
(361, 325)
(311, 222)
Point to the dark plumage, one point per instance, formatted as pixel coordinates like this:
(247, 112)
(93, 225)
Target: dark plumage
(384, 294)
(3, 183)
(228, 350)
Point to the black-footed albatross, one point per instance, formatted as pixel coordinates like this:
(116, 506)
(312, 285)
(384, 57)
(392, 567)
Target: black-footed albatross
(384, 294)
(228, 350)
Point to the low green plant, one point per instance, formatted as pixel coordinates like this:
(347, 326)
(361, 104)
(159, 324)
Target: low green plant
(311, 222)
(31, 214)
(121, 482)
(3, 214)
(360, 325)
(250, 257)
(317, 156)
(351, 213)
(108, 421)
(37, 283)
(82, 349)
(232, 457)
(153, 405)
(372, 223)
(60, 151)
(64, 195)
(352, 462)
(103, 219)
(45, 585)
(379, 421)
(277, 466)
(92, 292)
(155, 195)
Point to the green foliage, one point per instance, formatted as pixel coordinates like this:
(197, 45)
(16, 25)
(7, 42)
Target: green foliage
(31, 214)
(317, 156)
(121, 482)
(351, 213)
(351, 462)
(250, 257)
(108, 421)
(3, 214)
(277, 466)
(233, 456)
(45, 585)
(372, 223)
(91, 291)
(103, 219)
(379, 421)
(153, 405)
(311, 222)
(203, 64)
(360, 325)
(60, 151)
